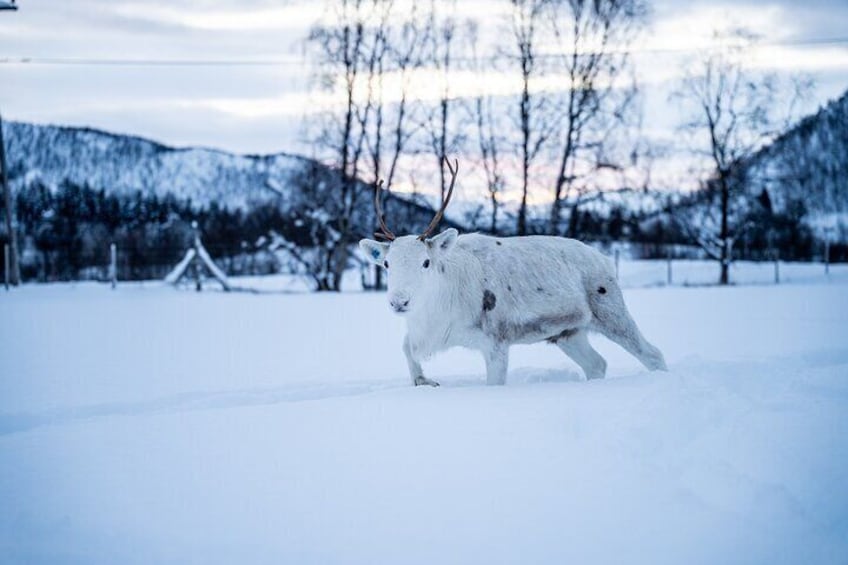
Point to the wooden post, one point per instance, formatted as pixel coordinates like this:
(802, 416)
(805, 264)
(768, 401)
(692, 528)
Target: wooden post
(13, 274)
(616, 262)
(378, 278)
(827, 255)
(195, 262)
(6, 265)
(776, 266)
(195, 269)
(113, 265)
(668, 267)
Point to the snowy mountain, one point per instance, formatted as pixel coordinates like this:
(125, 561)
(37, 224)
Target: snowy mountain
(808, 164)
(76, 190)
(122, 165)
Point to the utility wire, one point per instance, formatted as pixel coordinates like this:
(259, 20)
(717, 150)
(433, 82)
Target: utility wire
(292, 61)
(147, 62)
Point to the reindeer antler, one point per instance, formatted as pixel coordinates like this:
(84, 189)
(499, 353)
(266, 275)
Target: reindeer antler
(438, 217)
(384, 233)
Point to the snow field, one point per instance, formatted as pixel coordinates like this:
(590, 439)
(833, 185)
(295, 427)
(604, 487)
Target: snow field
(148, 425)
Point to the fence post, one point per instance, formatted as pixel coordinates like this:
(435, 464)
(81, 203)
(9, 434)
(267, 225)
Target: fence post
(6, 265)
(668, 270)
(827, 255)
(776, 266)
(616, 263)
(113, 265)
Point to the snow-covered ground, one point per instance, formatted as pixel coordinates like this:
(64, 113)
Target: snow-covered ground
(149, 425)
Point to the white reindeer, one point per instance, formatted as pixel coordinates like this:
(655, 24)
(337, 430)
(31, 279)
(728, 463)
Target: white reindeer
(487, 293)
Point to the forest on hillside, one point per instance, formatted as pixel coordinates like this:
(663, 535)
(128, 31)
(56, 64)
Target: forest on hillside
(65, 233)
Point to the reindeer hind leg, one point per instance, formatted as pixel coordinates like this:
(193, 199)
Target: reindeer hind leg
(577, 346)
(612, 319)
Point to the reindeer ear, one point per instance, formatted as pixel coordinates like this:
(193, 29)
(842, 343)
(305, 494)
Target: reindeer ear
(375, 251)
(443, 242)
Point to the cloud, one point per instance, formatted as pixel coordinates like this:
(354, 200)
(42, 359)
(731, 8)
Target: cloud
(217, 105)
(236, 17)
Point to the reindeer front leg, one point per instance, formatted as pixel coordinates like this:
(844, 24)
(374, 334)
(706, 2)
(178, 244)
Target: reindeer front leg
(416, 373)
(497, 361)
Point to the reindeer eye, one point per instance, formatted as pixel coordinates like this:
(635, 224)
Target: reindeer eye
(386, 264)
(426, 263)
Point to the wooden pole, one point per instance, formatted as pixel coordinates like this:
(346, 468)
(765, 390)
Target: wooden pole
(776, 266)
(195, 269)
(617, 253)
(195, 262)
(668, 267)
(6, 265)
(113, 265)
(12, 255)
(827, 255)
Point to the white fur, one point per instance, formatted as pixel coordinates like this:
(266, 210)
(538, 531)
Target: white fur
(487, 293)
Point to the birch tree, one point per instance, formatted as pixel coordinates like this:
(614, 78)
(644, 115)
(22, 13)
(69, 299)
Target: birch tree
(730, 114)
(592, 41)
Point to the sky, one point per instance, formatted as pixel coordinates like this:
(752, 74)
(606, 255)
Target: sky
(77, 63)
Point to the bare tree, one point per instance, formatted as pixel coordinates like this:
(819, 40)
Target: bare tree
(442, 40)
(593, 40)
(406, 46)
(348, 52)
(535, 129)
(371, 114)
(485, 119)
(386, 119)
(731, 114)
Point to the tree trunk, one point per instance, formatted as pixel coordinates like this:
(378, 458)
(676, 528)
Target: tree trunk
(494, 228)
(525, 155)
(443, 149)
(573, 222)
(724, 236)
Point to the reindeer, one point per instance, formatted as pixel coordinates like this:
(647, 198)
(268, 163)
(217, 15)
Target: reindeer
(487, 293)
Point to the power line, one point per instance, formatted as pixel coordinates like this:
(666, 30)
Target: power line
(84, 61)
(290, 61)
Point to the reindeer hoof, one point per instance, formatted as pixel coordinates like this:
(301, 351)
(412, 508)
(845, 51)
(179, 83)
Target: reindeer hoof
(425, 381)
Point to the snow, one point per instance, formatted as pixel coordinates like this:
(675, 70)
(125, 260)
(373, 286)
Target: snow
(152, 425)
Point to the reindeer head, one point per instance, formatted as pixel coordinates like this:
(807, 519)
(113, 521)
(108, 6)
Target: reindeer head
(410, 260)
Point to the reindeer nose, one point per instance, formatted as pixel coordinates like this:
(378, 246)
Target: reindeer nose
(399, 303)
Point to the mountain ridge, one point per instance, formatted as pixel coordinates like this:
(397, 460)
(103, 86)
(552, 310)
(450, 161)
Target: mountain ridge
(124, 164)
(808, 163)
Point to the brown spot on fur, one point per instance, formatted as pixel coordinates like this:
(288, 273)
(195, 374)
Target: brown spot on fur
(489, 300)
